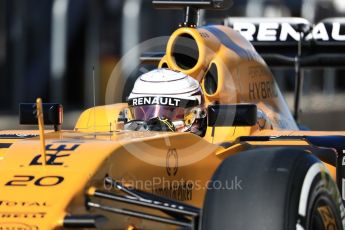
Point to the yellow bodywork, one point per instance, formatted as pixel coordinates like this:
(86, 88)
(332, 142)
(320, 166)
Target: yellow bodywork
(37, 196)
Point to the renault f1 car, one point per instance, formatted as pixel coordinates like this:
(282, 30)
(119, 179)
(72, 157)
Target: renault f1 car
(253, 169)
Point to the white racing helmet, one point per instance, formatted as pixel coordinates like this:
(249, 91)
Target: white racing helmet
(171, 98)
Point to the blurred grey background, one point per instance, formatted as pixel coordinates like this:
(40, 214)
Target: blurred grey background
(48, 49)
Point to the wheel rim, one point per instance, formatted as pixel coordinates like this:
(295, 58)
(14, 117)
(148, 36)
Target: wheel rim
(323, 215)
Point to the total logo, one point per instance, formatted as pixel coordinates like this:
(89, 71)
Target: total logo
(7, 203)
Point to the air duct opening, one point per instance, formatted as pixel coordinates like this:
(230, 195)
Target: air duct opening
(165, 65)
(211, 80)
(185, 52)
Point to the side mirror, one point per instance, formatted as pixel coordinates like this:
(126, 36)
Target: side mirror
(52, 113)
(232, 115)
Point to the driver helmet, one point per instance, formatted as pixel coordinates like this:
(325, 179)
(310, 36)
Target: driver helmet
(171, 98)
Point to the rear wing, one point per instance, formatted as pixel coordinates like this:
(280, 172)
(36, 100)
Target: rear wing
(283, 41)
(295, 42)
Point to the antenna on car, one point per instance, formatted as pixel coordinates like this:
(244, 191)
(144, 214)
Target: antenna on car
(94, 97)
(40, 119)
(93, 86)
(191, 8)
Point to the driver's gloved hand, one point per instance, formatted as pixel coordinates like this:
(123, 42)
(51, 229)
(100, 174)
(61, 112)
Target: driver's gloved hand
(160, 124)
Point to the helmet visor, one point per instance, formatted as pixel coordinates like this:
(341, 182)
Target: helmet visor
(146, 112)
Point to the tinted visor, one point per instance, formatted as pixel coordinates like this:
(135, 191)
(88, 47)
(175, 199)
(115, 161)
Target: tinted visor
(146, 112)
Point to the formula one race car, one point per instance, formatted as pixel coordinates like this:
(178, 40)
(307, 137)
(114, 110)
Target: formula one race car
(252, 168)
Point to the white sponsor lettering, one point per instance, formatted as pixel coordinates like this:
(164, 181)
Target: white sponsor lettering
(156, 101)
(247, 29)
(177, 101)
(336, 32)
(268, 31)
(282, 31)
(320, 32)
(140, 101)
(146, 100)
(288, 30)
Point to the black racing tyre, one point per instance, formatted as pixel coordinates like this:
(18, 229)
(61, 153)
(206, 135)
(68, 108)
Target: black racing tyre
(272, 188)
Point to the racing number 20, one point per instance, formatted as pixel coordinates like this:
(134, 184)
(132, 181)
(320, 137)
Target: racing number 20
(25, 180)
